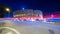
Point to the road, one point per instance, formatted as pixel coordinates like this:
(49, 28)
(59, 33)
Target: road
(28, 27)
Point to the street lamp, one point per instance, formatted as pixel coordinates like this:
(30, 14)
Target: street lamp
(7, 10)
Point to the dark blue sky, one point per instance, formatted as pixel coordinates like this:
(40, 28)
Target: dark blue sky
(47, 6)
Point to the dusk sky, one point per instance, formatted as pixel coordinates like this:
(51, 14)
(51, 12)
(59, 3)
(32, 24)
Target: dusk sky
(47, 6)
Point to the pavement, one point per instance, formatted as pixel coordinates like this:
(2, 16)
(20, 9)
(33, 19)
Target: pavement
(28, 27)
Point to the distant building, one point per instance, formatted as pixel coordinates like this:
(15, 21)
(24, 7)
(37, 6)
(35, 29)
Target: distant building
(28, 12)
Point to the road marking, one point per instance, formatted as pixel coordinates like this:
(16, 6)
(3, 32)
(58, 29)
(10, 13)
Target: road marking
(11, 29)
(9, 33)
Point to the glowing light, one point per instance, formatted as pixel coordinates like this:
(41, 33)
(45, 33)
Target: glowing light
(52, 16)
(7, 9)
(23, 8)
(32, 19)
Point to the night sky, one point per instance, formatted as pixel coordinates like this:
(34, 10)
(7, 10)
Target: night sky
(46, 6)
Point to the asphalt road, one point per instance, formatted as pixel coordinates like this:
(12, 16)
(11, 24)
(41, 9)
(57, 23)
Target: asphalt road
(28, 27)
